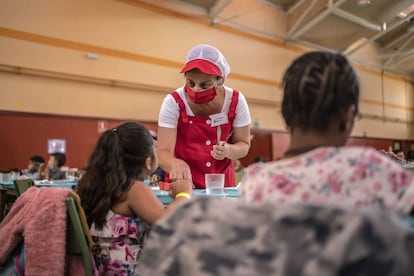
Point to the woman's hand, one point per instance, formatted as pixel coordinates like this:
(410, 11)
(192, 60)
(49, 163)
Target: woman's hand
(220, 151)
(180, 170)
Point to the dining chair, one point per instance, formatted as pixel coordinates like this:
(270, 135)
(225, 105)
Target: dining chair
(238, 176)
(21, 185)
(78, 239)
(28, 226)
(3, 194)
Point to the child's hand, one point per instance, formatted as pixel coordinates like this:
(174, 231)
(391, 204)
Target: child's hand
(181, 186)
(43, 171)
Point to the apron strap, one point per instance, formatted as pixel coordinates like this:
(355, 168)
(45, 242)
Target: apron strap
(183, 113)
(233, 106)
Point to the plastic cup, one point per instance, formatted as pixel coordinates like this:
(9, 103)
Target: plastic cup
(164, 186)
(70, 175)
(214, 183)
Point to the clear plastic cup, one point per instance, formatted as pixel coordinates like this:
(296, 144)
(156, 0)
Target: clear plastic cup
(214, 183)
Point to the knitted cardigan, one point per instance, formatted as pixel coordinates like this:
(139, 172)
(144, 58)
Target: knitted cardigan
(39, 218)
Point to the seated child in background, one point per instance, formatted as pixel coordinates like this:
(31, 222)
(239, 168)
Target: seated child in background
(118, 205)
(159, 174)
(34, 167)
(54, 165)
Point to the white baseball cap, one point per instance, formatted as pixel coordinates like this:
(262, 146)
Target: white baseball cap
(208, 59)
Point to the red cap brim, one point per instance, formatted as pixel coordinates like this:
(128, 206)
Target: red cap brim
(203, 65)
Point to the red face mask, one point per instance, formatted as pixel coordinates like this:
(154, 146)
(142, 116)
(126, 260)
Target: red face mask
(201, 97)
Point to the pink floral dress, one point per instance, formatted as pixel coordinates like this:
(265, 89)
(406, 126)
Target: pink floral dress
(119, 243)
(336, 176)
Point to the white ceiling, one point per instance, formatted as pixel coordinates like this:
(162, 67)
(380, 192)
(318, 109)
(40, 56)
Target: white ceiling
(370, 32)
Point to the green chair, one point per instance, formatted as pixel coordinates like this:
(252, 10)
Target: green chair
(78, 239)
(21, 185)
(238, 176)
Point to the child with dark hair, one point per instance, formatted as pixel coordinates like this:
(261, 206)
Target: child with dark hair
(54, 166)
(119, 207)
(410, 155)
(34, 167)
(319, 106)
(159, 174)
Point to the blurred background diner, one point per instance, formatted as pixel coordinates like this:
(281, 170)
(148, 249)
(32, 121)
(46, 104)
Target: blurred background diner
(34, 167)
(159, 174)
(54, 170)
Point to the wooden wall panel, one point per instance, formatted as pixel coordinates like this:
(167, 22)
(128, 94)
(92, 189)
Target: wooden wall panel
(261, 145)
(371, 142)
(280, 143)
(273, 144)
(24, 135)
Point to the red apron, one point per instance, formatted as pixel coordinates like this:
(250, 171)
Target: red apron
(195, 140)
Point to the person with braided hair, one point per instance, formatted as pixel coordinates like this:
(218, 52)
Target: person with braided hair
(319, 106)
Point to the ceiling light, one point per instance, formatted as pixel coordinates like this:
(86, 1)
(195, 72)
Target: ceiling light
(406, 12)
(92, 56)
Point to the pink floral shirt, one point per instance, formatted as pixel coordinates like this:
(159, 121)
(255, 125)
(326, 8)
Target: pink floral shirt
(336, 176)
(118, 244)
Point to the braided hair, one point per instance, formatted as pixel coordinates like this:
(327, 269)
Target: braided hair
(318, 87)
(117, 160)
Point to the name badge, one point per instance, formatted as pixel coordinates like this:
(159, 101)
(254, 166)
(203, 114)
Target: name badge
(219, 119)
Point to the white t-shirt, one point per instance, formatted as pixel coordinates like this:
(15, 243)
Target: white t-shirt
(170, 111)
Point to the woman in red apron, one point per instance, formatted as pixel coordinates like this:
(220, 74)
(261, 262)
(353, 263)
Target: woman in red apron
(203, 125)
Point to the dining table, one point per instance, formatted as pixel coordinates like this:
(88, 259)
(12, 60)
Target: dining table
(229, 192)
(7, 188)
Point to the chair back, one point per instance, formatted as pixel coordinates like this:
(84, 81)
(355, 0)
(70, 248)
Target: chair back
(21, 185)
(238, 176)
(78, 239)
